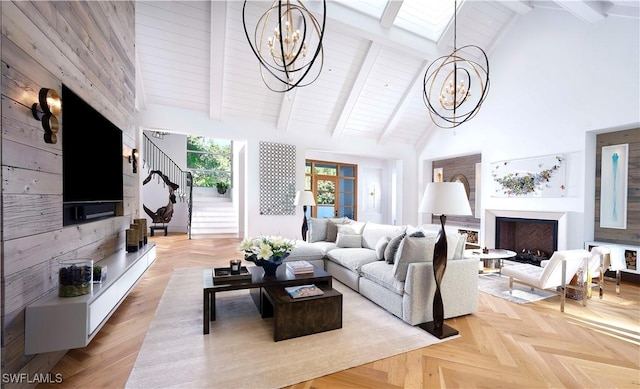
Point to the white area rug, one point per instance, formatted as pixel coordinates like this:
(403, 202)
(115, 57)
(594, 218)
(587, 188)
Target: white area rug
(240, 352)
(497, 285)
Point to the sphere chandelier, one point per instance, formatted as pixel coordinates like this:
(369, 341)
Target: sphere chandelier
(287, 40)
(455, 86)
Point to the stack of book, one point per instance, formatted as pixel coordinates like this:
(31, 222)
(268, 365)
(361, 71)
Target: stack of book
(304, 291)
(300, 267)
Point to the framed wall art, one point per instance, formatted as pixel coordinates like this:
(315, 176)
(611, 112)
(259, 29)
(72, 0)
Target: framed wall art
(613, 186)
(531, 177)
(437, 175)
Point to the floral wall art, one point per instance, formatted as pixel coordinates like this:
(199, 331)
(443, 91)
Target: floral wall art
(613, 186)
(531, 177)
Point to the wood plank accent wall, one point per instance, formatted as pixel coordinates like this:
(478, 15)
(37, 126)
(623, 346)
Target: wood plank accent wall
(631, 235)
(90, 47)
(466, 166)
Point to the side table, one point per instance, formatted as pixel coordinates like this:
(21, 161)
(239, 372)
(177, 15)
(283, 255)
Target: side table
(492, 261)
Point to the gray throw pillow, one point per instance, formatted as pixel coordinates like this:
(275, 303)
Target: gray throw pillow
(381, 245)
(392, 247)
(412, 250)
(349, 240)
(332, 228)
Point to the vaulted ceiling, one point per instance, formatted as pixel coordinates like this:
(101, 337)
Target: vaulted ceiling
(194, 55)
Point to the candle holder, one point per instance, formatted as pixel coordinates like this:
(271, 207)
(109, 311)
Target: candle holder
(234, 266)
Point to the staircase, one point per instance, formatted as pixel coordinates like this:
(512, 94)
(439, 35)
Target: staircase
(214, 216)
(157, 162)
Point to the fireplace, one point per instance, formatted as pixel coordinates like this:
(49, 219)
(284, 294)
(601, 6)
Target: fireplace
(533, 240)
(536, 219)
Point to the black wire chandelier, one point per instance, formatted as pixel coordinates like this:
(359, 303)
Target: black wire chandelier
(455, 85)
(282, 37)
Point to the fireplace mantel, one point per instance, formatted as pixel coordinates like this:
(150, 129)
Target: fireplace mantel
(492, 214)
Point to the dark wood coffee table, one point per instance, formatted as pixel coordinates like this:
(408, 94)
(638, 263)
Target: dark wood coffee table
(302, 316)
(255, 284)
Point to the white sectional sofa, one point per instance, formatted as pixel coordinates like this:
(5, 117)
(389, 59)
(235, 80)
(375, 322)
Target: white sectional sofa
(392, 266)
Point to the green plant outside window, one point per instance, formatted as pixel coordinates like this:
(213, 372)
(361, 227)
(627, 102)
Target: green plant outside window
(209, 160)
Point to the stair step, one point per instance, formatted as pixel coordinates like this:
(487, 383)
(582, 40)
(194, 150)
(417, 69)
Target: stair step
(200, 231)
(214, 216)
(214, 235)
(213, 200)
(215, 224)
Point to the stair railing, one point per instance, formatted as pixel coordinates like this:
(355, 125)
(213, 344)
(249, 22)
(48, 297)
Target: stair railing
(156, 159)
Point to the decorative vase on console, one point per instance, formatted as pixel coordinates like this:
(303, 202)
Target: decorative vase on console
(267, 252)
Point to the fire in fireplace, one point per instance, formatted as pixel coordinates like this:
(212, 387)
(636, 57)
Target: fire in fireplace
(533, 239)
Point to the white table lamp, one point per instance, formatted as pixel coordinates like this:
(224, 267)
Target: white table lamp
(304, 198)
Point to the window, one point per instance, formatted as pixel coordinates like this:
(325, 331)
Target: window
(209, 160)
(334, 187)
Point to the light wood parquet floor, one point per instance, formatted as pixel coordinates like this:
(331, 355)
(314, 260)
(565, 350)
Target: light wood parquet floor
(503, 345)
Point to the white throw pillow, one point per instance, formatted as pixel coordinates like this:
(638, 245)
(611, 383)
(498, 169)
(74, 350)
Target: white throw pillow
(317, 230)
(381, 245)
(462, 244)
(412, 250)
(349, 240)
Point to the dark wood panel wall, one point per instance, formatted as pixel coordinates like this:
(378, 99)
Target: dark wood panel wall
(88, 46)
(630, 235)
(466, 166)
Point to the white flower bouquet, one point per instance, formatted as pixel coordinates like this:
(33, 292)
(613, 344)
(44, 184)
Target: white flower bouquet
(267, 248)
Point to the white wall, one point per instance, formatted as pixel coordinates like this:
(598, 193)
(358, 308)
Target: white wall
(555, 81)
(394, 160)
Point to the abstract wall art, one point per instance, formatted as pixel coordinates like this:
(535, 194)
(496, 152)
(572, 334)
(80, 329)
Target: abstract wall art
(531, 177)
(613, 186)
(277, 178)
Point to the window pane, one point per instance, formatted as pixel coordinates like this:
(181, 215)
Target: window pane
(307, 168)
(347, 171)
(326, 192)
(346, 185)
(346, 212)
(325, 211)
(346, 199)
(307, 183)
(201, 161)
(209, 160)
(326, 169)
(200, 143)
(202, 179)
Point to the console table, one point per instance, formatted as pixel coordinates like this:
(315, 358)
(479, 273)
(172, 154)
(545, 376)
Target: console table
(55, 323)
(623, 258)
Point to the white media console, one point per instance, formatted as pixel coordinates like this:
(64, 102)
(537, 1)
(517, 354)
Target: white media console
(55, 323)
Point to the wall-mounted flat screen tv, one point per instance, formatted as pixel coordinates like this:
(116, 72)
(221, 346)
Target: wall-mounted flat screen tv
(91, 156)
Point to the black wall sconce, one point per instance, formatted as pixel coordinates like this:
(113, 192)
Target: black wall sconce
(46, 111)
(133, 160)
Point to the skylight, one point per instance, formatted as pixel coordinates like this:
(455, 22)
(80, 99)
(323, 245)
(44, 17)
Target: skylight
(425, 18)
(370, 7)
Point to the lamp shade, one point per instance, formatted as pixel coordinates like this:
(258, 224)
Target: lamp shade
(304, 197)
(445, 198)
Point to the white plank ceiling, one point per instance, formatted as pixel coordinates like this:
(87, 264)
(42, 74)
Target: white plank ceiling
(194, 55)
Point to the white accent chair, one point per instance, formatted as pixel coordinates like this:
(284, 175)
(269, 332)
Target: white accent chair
(618, 262)
(598, 264)
(557, 274)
